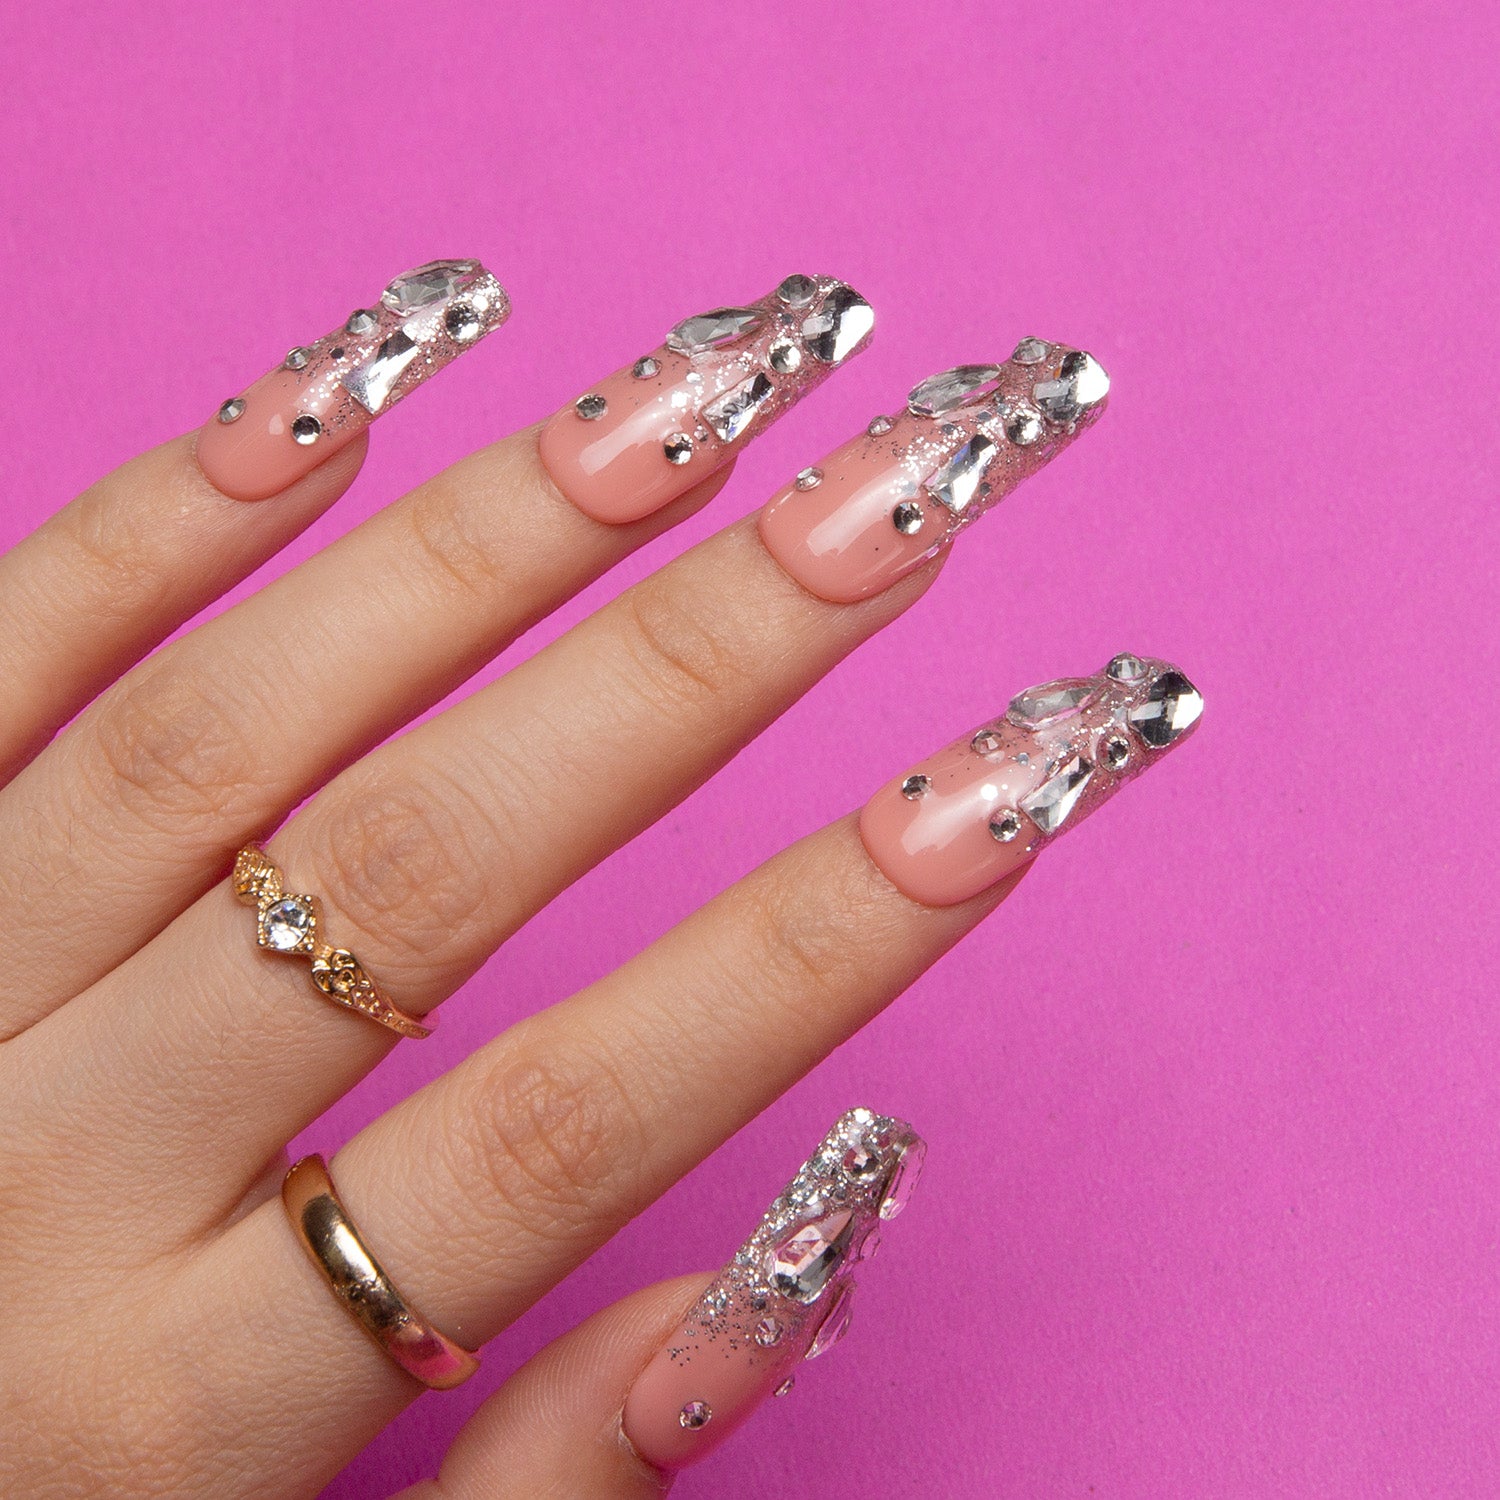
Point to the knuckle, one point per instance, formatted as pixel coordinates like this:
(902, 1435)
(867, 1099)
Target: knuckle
(804, 954)
(439, 530)
(114, 567)
(400, 857)
(174, 746)
(560, 1139)
(679, 651)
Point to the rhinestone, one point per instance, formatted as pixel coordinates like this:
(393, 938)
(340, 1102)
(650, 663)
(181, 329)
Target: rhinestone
(361, 320)
(1023, 425)
(859, 1161)
(287, 924)
(1126, 668)
(768, 1332)
(861, 1117)
(591, 407)
(645, 367)
(678, 448)
(232, 410)
(1030, 352)
(986, 742)
(809, 479)
(908, 518)
(916, 786)
(904, 1179)
(839, 326)
(797, 290)
(950, 389)
(1051, 803)
(306, 429)
(695, 1414)
(785, 1388)
(1116, 751)
(297, 358)
(879, 426)
(802, 1265)
(371, 383)
(1044, 705)
(1081, 385)
(1170, 709)
(960, 481)
(835, 1325)
(784, 356)
(730, 414)
(462, 322)
(1004, 826)
(434, 282)
(712, 330)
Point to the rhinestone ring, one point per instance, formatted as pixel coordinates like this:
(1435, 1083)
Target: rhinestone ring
(366, 1293)
(288, 923)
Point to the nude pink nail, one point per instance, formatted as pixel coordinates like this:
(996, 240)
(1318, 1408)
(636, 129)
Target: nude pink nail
(975, 812)
(650, 432)
(325, 393)
(899, 493)
(785, 1297)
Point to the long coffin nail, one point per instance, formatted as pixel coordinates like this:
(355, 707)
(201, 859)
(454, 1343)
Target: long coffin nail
(653, 430)
(974, 813)
(324, 394)
(784, 1298)
(900, 492)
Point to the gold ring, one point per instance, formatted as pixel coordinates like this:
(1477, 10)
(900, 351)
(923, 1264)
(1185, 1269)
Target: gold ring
(364, 1290)
(289, 923)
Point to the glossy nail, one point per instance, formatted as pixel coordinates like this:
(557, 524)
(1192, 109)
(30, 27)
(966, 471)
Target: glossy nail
(786, 1296)
(974, 813)
(650, 432)
(900, 492)
(325, 393)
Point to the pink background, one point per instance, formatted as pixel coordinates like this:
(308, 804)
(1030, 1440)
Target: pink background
(1213, 1103)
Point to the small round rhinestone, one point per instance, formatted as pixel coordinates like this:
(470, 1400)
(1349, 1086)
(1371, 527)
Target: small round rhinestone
(462, 322)
(768, 1332)
(361, 320)
(678, 448)
(908, 517)
(1005, 826)
(297, 358)
(797, 290)
(306, 429)
(1030, 352)
(645, 367)
(232, 410)
(1116, 751)
(784, 356)
(809, 479)
(915, 786)
(592, 407)
(695, 1414)
(879, 426)
(985, 742)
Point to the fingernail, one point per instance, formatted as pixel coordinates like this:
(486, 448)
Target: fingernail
(975, 812)
(325, 393)
(650, 432)
(899, 493)
(785, 1298)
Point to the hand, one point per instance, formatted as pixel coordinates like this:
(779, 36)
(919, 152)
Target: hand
(170, 1018)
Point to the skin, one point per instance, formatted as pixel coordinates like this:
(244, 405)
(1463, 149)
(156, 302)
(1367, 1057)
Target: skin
(153, 1064)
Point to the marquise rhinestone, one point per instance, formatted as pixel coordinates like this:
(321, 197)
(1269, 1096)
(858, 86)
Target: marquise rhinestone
(1170, 709)
(837, 328)
(713, 330)
(951, 389)
(1051, 803)
(434, 282)
(1039, 706)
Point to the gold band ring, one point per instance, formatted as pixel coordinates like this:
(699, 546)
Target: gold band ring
(289, 923)
(364, 1290)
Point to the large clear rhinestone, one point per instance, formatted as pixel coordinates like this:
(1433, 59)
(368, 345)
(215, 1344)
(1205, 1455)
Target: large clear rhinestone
(904, 1179)
(434, 282)
(961, 386)
(803, 1263)
(1170, 709)
(734, 411)
(839, 326)
(1043, 705)
(287, 924)
(835, 1325)
(370, 384)
(1051, 803)
(712, 330)
(958, 483)
(1080, 385)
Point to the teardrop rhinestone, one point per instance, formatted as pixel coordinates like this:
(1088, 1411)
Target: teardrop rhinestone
(1039, 706)
(949, 390)
(835, 1325)
(1051, 803)
(1170, 709)
(802, 1265)
(839, 326)
(713, 330)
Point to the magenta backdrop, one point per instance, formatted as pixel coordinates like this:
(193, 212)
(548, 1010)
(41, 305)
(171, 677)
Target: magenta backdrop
(1212, 1102)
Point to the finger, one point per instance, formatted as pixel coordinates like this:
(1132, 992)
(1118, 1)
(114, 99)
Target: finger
(437, 847)
(661, 1379)
(143, 550)
(486, 1187)
(222, 732)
